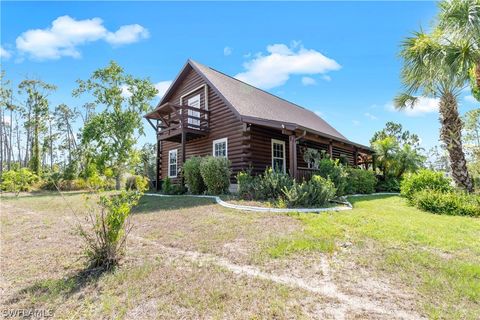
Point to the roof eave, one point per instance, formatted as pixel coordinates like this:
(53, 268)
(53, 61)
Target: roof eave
(293, 126)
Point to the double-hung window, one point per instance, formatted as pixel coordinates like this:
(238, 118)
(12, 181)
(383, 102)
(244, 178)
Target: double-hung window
(278, 155)
(220, 148)
(172, 163)
(194, 116)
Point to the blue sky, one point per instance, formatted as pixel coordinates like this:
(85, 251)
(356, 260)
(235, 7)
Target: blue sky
(339, 59)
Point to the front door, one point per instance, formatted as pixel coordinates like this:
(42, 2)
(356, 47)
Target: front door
(195, 103)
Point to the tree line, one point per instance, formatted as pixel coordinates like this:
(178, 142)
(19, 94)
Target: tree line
(36, 135)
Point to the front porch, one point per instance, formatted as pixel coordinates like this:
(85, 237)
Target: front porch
(299, 143)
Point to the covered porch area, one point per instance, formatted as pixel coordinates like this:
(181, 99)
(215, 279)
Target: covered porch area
(301, 142)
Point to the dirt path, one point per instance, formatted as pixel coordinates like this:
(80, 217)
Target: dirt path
(325, 287)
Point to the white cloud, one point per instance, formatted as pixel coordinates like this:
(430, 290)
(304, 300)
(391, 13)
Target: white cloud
(227, 51)
(470, 99)
(127, 34)
(422, 106)
(4, 53)
(370, 116)
(327, 78)
(66, 34)
(356, 122)
(275, 68)
(162, 87)
(308, 81)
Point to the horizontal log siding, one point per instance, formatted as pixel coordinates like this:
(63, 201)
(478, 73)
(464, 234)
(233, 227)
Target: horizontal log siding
(338, 152)
(260, 148)
(303, 145)
(223, 124)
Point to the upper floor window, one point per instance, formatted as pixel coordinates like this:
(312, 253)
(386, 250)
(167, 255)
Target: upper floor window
(194, 116)
(220, 148)
(172, 163)
(278, 155)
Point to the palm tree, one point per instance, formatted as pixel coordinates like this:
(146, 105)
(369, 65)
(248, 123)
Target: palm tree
(385, 151)
(459, 22)
(428, 71)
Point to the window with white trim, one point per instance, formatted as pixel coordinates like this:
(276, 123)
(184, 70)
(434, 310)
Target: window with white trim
(172, 163)
(220, 148)
(195, 103)
(278, 155)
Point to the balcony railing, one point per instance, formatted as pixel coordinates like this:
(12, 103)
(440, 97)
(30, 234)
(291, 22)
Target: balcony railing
(182, 118)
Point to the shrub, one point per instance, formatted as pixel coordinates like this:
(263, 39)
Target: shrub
(51, 181)
(18, 180)
(136, 182)
(177, 189)
(387, 184)
(105, 239)
(360, 181)
(270, 184)
(73, 185)
(314, 193)
(216, 173)
(333, 170)
(423, 180)
(193, 176)
(167, 185)
(246, 185)
(318, 191)
(450, 203)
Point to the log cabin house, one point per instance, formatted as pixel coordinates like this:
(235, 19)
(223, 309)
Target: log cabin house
(206, 112)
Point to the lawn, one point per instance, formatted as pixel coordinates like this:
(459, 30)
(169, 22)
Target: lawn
(191, 258)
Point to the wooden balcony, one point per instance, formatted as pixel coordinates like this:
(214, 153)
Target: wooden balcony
(175, 120)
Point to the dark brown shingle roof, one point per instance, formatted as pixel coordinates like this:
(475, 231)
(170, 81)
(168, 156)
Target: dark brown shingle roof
(254, 105)
(250, 101)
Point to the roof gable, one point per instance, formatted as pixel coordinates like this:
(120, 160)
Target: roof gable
(249, 102)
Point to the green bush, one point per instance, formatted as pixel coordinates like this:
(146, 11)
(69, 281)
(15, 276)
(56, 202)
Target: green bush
(450, 202)
(18, 180)
(51, 181)
(136, 182)
(107, 229)
(387, 184)
(167, 185)
(270, 185)
(177, 189)
(216, 173)
(193, 176)
(73, 185)
(246, 185)
(335, 171)
(424, 180)
(360, 181)
(314, 193)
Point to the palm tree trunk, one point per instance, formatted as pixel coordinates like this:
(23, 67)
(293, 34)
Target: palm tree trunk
(477, 74)
(451, 135)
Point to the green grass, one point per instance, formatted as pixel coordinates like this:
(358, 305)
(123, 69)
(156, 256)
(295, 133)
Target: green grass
(435, 257)
(438, 256)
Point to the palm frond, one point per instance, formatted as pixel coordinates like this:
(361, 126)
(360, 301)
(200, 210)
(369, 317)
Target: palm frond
(404, 100)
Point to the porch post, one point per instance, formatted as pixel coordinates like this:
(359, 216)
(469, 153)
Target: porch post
(184, 142)
(355, 157)
(330, 149)
(292, 146)
(159, 163)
